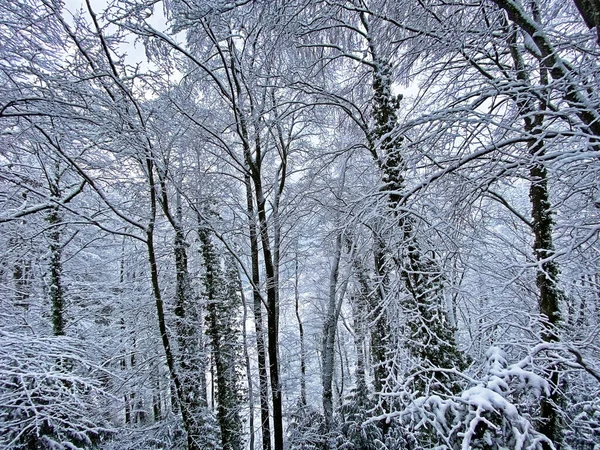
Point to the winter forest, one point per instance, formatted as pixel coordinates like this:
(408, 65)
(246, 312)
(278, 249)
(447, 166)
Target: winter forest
(300, 224)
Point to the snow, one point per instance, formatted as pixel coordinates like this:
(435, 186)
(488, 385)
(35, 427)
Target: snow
(486, 399)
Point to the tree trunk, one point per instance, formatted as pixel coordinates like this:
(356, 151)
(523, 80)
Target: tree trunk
(590, 12)
(253, 166)
(21, 279)
(248, 370)
(220, 309)
(378, 320)
(361, 302)
(431, 339)
(358, 314)
(543, 246)
(272, 313)
(328, 342)
(190, 356)
(179, 388)
(55, 288)
(187, 418)
(549, 293)
(301, 335)
(258, 321)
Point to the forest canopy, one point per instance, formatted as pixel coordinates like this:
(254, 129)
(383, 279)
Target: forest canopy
(300, 224)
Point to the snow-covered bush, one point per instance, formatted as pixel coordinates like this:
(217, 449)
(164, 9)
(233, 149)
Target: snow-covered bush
(584, 430)
(355, 432)
(166, 434)
(306, 429)
(48, 400)
(490, 414)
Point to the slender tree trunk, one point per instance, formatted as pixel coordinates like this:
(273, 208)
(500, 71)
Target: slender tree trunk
(344, 367)
(358, 313)
(179, 388)
(272, 313)
(329, 331)
(156, 394)
(190, 358)
(212, 382)
(55, 288)
(361, 302)
(543, 246)
(21, 279)
(301, 335)
(258, 321)
(248, 370)
(188, 420)
(253, 165)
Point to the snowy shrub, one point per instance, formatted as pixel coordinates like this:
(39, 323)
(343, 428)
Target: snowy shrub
(485, 415)
(306, 429)
(167, 434)
(47, 398)
(584, 414)
(355, 432)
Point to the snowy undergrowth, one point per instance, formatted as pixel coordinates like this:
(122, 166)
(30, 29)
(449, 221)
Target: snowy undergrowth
(49, 395)
(490, 413)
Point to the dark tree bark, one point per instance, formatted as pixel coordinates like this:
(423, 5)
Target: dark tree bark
(190, 355)
(272, 312)
(221, 330)
(542, 226)
(590, 12)
(253, 165)
(258, 320)
(361, 303)
(248, 369)
(55, 247)
(378, 319)
(55, 288)
(300, 334)
(574, 93)
(549, 293)
(180, 390)
(188, 328)
(329, 332)
(21, 279)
